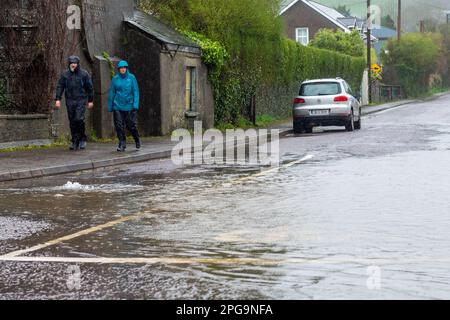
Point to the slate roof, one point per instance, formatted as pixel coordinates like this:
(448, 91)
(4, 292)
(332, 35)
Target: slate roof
(383, 33)
(349, 22)
(162, 32)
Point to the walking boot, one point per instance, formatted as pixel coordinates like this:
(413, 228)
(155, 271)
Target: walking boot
(122, 147)
(138, 144)
(74, 146)
(82, 145)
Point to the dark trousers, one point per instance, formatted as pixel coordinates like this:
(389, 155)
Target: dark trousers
(77, 116)
(126, 119)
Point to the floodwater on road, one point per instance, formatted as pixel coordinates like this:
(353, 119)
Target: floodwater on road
(367, 217)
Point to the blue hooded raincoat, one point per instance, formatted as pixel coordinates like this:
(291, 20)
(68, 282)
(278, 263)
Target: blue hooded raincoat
(124, 91)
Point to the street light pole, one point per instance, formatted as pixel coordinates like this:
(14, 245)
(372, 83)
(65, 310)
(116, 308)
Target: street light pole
(369, 49)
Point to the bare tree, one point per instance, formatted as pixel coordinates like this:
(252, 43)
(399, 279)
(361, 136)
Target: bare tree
(34, 41)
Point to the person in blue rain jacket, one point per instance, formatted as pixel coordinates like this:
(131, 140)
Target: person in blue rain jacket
(123, 101)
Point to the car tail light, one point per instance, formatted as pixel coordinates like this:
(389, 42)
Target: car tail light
(341, 99)
(299, 100)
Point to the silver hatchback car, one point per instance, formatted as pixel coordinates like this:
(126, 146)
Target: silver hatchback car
(326, 102)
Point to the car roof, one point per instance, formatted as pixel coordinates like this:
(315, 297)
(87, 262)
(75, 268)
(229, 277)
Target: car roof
(324, 80)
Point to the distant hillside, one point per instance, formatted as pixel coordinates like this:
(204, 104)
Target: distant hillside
(413, 10)
(359, 8)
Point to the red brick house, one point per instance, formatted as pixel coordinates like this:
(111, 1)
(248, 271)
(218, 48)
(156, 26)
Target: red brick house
(304, 18)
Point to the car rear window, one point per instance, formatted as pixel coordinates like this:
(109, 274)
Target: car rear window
(320, 89)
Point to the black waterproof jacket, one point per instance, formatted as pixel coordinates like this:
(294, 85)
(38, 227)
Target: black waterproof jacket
(77, 85)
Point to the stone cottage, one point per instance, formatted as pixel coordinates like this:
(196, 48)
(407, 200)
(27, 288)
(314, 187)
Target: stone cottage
(173, 80)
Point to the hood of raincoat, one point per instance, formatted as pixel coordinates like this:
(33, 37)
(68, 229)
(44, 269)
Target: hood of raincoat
(123, 64)
(74, 59)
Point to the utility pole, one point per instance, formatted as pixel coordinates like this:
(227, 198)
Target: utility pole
(422, 26)
(399, 21)
(369, 48)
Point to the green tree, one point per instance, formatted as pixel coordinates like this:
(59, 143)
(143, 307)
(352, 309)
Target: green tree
(415, 58)
(347, 43)
(342, 9)
(388, 22)
(250, 31)
(445, 32)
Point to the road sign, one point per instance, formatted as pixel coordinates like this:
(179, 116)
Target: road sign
(376, 68)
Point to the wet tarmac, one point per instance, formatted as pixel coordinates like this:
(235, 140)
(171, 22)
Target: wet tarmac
(366, 215)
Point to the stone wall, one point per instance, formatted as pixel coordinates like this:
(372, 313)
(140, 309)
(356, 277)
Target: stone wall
(24, 127)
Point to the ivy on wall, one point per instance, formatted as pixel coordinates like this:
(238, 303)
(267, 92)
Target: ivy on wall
(112, 69)
(234, 87)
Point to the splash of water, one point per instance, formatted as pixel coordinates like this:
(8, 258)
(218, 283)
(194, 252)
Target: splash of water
(75, 186)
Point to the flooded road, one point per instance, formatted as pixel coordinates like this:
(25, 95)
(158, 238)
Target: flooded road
(363, 215)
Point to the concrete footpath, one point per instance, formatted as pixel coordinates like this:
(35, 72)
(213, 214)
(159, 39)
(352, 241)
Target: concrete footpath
(37, 163)
(47, 162)
(367, 110)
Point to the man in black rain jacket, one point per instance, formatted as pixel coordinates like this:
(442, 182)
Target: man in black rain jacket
(79, 91)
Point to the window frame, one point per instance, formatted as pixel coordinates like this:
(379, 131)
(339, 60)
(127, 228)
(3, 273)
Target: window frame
(338, 86)
(298, 37)
(190, 104)
(348, 89)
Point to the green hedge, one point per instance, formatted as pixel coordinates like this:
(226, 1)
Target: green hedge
(298, 64)
(248, 55)
(415, 59)
(275, 90)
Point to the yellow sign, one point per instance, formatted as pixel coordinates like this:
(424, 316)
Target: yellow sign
(377, 68)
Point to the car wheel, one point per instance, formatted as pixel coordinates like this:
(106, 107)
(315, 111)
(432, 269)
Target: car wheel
(298, 128)
(358, 124)
(309, 130)
(350, 126)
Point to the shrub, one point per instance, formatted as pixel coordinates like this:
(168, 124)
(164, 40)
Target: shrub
(415, 59)
(347, 43)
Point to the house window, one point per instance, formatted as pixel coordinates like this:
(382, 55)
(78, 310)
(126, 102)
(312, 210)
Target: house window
(191, 79)
(302, 36)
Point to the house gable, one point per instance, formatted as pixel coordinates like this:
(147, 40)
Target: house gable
(303, 14)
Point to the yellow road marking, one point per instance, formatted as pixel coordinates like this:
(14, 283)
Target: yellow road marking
(266, 172)
(13, 256)
(75, 235)
(222, 261)
(175, 261)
